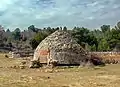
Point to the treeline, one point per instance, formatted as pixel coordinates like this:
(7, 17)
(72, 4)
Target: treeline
(103, 39)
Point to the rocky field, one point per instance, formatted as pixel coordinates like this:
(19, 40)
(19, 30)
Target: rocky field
(12, 76)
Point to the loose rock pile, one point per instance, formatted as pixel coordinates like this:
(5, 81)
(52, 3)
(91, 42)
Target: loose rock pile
(13, 55)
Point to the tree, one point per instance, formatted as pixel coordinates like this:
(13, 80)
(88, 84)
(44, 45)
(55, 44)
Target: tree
(1, 34)
(65, 28)
(80, 34)
(33, 43)
(23, 37)
(37, 39)
(57, 28)
(84, 36)
(17, 34)
(8, 30)
(118, 25)
(105, 28)
(93, 48)
(92, 41)
(74, 28)
(32, 28)
(60, 28)
(49, 30)
(113, 43)
(103, 45)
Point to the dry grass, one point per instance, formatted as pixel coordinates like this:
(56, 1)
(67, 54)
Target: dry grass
(108, 76)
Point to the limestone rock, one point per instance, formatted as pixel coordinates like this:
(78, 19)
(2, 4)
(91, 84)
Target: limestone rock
(60, 46)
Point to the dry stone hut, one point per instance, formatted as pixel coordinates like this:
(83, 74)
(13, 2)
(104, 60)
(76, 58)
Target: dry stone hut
(60, 47)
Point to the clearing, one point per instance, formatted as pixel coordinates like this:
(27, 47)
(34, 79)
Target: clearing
(108, 76)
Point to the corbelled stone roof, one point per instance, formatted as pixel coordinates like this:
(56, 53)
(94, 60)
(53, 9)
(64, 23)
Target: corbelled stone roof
(60, 41)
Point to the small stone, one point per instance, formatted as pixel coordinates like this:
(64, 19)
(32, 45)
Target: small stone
(22, 67)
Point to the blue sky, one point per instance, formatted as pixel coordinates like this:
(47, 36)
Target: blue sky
(70, 13)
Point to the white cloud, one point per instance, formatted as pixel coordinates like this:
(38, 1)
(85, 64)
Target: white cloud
(88, 13)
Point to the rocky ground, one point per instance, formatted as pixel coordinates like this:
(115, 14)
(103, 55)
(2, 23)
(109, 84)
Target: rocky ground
(11, 75)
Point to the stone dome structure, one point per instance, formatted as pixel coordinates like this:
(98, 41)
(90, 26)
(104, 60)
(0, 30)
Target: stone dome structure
(60, 47)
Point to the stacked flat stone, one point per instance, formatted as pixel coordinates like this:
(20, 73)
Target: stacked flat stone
(62, 48)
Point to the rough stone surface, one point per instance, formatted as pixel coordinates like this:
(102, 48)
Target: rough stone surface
(60, 47)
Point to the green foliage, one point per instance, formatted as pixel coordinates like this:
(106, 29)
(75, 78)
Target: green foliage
(113, 43)
(83, 35)
(33, 43)
(37, 39)
(103, 39)
(7, 30)
(93, 48)
(65, 28)
(105, 28)
(40, 36)
(17, 34)
(103, 45)
(32, 28)
(80, 34)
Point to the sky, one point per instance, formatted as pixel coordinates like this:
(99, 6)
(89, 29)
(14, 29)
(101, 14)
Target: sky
(42, 13)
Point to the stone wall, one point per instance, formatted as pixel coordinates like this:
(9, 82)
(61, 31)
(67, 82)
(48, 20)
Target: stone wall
(108, 57)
